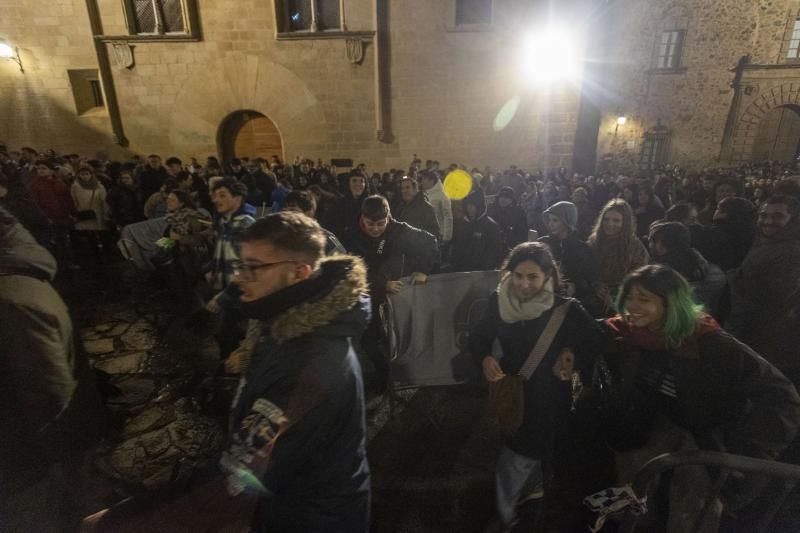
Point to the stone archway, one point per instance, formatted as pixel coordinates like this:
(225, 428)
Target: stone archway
(778, 135)
(250, 134)
(766, 106)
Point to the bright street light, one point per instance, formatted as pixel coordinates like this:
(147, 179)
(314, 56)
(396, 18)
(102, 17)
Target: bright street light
(550, 55)
(12, 54)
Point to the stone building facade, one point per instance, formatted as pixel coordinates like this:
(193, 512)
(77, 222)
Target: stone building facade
(381, 82)
(728, 93)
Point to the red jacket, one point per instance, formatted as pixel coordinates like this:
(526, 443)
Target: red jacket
(52, 196)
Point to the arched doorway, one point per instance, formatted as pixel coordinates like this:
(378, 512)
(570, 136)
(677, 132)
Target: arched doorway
(248, 134)
(778, 135)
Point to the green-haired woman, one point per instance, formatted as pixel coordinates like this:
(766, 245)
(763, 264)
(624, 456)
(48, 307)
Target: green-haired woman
(685, 383)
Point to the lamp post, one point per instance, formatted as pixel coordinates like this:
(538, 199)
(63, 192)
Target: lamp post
(621, 120)
(12, 54)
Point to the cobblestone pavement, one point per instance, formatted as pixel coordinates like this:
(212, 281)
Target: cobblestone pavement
(426, 476)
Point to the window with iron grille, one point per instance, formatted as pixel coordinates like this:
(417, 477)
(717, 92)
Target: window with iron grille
(670, 48)
(157, 17)
(470, 12)
(655, 148)
(97, 93)
(794, 42)
(308, 15)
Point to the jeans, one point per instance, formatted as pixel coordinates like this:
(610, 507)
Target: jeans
(516, 476)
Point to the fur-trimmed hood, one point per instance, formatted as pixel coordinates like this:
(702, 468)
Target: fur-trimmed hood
(336, 298)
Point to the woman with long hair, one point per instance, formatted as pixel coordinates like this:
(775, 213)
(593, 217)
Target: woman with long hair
(617, 248)
(684, 383)
(518, 314)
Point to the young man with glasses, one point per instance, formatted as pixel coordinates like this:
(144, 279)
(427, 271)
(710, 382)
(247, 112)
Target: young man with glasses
(391, 250)
(299, 414)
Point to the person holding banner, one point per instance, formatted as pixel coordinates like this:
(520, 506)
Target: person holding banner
(391, 250)
(545, 339)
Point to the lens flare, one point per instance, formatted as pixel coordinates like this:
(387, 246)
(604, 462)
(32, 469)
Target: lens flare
(506, 114)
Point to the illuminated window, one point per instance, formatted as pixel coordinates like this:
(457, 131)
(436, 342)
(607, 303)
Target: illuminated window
(794, 41)
(308, 15)
(669, 50)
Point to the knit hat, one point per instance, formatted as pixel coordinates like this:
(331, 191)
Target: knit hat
(673, 235)
(566, 212)
(477, 199)
(506, 192)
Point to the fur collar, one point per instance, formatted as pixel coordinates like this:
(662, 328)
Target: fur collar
(339, 285)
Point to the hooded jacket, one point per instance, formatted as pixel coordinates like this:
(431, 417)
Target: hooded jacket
(48, 404)
(477, 243)
(765, 300)
(512, 220)
(707, 280)
(417, 213)
(578, 266)
(342, 217)
(301, 405)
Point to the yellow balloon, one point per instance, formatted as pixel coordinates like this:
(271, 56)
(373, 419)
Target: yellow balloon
(457, 184)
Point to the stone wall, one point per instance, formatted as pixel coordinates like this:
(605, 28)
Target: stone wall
(444, 86)
(695, 100)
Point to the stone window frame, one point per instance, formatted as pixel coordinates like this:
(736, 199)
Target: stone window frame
(281, 23)
(791, 30)
(674, 20)
(191, 24)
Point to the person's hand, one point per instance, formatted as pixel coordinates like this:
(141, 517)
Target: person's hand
(233, 365)
(213, 306)
(491, 369)
(393, 287)
(565, 365)
(418, 278)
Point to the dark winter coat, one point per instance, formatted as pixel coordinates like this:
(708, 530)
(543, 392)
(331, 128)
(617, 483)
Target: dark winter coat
(513, 223)
(150, 181)
(578, 265)
(18, 203)
(417, 213)
(547, 399)
(729, 397)
(49, 407)
(726, 243)
(125, 206)
(302, 401)
(342, 217)
(477, 244)
(400, 251)
(765, 300)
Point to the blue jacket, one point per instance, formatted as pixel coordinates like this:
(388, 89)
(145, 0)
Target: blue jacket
(298, 420)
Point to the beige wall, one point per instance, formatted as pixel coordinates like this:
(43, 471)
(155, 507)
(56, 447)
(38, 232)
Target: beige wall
(444, 87)
(694, 104)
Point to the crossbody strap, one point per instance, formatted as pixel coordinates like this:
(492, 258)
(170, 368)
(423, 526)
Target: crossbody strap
(545, 340)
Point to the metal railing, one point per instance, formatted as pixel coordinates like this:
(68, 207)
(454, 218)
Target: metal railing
(648, 476)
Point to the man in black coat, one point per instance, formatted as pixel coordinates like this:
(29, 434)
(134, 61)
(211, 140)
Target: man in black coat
(151, 178)
(575, 259)
(391, 251)
(413, 208)
(510, 217)
(477, 240)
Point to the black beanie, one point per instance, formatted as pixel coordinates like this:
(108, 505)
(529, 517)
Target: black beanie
(675, 237)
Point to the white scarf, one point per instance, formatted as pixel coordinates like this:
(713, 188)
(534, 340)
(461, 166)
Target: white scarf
(513, 310)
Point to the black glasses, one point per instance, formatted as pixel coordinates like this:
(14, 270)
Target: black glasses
(247, 273)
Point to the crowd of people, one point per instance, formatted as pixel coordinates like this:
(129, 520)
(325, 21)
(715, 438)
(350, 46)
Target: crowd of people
(294, 261)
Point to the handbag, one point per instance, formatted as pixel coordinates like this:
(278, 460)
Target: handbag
(507, 395)
(87, 214)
